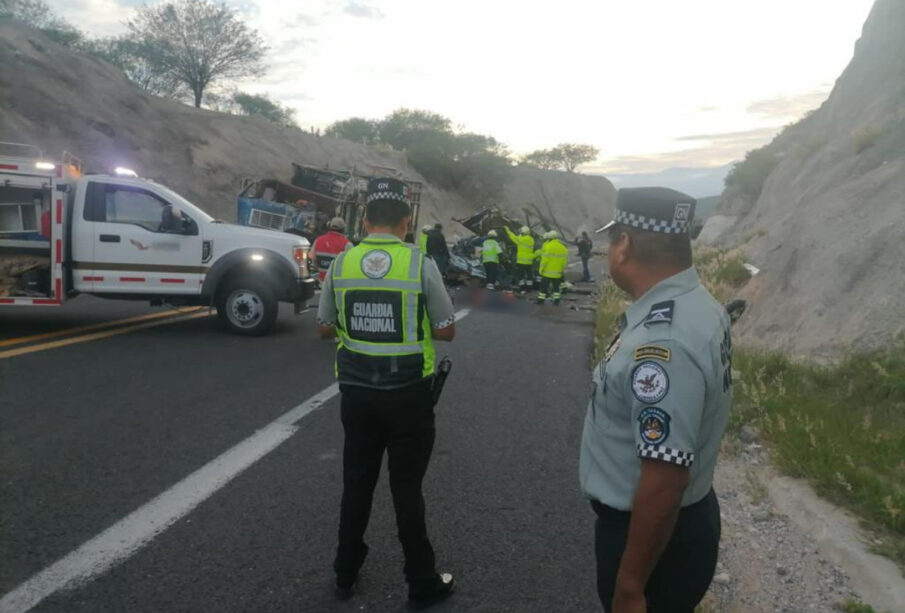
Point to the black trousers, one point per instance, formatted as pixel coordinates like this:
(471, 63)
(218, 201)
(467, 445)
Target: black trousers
(685, 569)
(524, 274)
(550, 286)
(493, 270)
(402, 423)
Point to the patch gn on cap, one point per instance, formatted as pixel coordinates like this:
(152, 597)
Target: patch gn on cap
(387, 188)
(654, 209)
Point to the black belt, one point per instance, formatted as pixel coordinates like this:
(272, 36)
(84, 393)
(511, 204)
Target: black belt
(608, 512)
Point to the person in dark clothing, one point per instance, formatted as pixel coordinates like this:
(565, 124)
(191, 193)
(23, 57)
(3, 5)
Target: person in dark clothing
(584, 252)
(437, 248)
(385, 366)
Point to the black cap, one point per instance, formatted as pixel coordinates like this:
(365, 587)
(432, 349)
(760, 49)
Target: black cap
(387, 188)
(654, 209)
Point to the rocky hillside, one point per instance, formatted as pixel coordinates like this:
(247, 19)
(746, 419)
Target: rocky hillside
(60, 100)
(828, 228)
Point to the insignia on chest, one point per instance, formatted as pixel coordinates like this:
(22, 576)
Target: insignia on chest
(650, 383)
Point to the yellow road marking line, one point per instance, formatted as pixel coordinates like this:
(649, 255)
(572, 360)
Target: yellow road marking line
(11, 353)
(104, 324)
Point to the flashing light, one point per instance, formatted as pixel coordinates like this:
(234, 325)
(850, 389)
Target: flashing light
(257, 257)
(126, 172)
(45, 166)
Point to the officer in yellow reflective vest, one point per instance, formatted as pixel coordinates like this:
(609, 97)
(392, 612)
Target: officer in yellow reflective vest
(387, 305)
(422, 237)
(554, 256)
(490, 258)
(524, 257)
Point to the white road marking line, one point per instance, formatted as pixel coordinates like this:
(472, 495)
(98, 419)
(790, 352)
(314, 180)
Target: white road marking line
(127, 536)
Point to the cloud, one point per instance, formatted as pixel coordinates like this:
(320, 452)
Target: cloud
(355, 8)
(715, 150)
(785, 107)
(738, 137)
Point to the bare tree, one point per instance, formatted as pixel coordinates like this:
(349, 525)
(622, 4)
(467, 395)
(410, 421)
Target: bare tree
(546, 159)
(141, 64)
(574, 155)
(198, 42)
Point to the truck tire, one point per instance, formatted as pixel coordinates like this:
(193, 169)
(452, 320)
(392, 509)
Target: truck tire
(247, 306)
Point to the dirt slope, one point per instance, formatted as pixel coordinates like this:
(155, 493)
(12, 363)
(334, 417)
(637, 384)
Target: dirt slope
(828, 230)
(57, 99)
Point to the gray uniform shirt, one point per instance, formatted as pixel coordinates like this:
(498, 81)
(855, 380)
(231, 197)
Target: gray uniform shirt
(439, 306)
(663, 392)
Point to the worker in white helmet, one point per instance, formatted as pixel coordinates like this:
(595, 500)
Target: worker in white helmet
(553, 260)
(422, 238)
(490, 257)
(524, 258)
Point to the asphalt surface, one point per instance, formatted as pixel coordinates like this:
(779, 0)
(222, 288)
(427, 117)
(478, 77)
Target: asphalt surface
(93, 430)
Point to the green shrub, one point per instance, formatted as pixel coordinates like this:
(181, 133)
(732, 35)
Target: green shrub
(749, 175)
(853, 606)
(732, 272)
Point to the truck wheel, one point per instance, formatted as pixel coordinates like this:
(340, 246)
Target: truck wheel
(247, 306)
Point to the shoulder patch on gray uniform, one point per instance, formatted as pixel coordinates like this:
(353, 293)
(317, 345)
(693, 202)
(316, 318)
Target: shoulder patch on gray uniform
(655, 352)
(650, 383)
(653, 425)
(660, 313)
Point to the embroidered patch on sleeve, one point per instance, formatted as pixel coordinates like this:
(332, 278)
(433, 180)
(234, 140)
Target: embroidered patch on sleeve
(660, 313)
(653, 425)
(650, 383)
(652, 351)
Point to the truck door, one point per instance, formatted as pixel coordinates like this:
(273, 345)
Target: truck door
(143, 244)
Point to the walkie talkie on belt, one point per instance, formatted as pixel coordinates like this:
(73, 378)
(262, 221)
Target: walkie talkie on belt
(443, 370)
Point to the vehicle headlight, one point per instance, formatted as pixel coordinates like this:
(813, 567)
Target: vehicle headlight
(300, 255)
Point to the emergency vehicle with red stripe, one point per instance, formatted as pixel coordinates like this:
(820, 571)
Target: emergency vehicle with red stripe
(64, 233)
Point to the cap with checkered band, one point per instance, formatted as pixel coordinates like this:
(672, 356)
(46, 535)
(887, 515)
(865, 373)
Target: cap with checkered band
(654, 209)
(387, 188)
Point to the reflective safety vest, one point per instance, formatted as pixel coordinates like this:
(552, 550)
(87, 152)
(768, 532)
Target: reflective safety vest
(422, 242)
(325, 248)
(382, 323)
(525, 246)
(490, 251)
(553, 259)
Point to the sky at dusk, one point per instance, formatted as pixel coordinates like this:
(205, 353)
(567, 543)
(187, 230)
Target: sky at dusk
(652, 83)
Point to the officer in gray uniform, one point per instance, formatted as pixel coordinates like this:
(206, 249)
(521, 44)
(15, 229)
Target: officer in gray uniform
(658, 411)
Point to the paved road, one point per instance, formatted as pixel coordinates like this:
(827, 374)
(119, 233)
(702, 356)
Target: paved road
(92, 431)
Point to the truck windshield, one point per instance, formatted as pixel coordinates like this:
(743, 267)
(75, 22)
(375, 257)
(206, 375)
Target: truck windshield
(184, 205)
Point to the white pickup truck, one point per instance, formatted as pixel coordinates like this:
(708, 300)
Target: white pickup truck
(63, 233)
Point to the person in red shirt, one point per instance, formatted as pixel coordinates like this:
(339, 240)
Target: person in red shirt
(327, 246)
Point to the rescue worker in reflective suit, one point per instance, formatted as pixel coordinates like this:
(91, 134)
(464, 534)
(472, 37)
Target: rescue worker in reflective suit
(422, 237)
(386, 303)
(524, 257)
(554, 256)
(658, 411)
(490, 258)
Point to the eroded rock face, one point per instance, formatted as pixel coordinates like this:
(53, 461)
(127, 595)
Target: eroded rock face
(828, 230)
